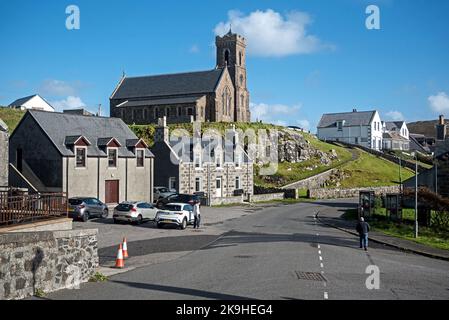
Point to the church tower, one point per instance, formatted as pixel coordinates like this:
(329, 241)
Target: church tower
(231, 53)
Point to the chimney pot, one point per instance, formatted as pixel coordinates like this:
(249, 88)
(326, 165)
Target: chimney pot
(442, 120)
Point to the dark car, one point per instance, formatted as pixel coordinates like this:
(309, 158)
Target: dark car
(86, 208)
(191, 199)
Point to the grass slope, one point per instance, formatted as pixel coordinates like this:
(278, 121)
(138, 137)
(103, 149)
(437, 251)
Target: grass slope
(371, 171)
(11, 117)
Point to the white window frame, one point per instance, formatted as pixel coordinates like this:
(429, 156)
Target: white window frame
(237, 183)
(76, 157)
(198, 180)
(116, 157)
(137, 157)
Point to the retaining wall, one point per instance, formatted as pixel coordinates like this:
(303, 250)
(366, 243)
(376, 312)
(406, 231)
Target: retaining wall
(348, 193)
(46, 261)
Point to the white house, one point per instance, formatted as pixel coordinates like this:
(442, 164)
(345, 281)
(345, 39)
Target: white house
(396, 136)
(360, 128)
(35, 102)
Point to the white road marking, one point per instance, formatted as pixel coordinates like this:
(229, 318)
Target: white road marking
(326, 296)
(319, 247)
(319, 252)
(322, 266)
(321, 258)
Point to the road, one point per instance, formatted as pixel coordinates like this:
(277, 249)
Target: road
(279, 252)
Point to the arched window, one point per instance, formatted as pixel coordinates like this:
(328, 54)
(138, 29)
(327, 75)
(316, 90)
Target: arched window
(241, 80)
(242, 100)
(226, 57)
(240, 58)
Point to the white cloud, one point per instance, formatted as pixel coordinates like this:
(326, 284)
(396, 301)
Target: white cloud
(278, 114)
(268, 33)
(395, 116)
(439, 103)
(304, 124)
(70, 102)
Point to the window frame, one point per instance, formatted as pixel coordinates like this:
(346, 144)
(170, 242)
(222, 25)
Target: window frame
(84, 148)
(116, 157)
(142, 151)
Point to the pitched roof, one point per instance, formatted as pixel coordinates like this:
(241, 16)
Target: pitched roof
(351, 119)
(155, 102)
(442, 148)
(390, 125)
(415, 145)
(3, 126)
(168, 84)
(63, 128)
(20, 102)
(393, 136)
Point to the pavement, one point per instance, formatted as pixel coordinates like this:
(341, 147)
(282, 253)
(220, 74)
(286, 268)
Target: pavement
(332, 217)
(276, 252)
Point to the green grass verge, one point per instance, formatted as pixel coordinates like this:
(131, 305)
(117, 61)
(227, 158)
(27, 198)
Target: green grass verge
(371, 171)
(427, 236)
(11, 117)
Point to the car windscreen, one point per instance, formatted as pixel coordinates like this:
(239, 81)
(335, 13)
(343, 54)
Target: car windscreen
(172, 207)
(75, 202)
(124, 207)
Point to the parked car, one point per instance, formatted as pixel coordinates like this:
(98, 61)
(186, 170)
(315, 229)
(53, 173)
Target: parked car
(134, 212)
(191, 199)
(86, 208)
(162, 192)
(179, 214)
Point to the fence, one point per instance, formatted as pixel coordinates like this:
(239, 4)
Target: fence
(16, 209)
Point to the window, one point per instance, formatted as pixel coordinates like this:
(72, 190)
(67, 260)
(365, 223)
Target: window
(172, 183)
(356, 140)
(237, 160)
(240, 58)
(167, 112)
(112, 158)
(212, 155)
(197, 160)
(226, 57)
(81, 157)
(197, 184)
(190, 112)
(237, 183)
(179, 111)
(218, 162)
(340, 125)
(241, 80)
(140, 154)
(155, 113)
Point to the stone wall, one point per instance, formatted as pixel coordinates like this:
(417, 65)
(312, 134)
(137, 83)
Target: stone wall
(314, 182)
(226, 201)
(46, 261)
(267, 197)
(348, 193)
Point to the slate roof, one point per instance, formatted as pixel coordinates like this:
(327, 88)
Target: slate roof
(391, 125)
(154, 102)
(62, 128)
(21, 101)
(351, 119)
(393, 136)
(442, 148)
(415, 145)
(168, 84)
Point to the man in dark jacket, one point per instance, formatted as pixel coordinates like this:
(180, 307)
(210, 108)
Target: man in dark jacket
(363, 230)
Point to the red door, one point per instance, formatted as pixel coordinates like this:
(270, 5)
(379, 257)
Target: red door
(112, 191)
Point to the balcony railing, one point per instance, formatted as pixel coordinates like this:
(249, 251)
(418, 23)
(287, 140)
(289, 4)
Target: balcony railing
(18, 208)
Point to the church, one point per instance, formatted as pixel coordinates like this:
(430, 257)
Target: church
(218, 95)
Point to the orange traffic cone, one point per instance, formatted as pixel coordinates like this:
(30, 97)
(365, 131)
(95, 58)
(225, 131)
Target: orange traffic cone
(120, 263)
(125, 249)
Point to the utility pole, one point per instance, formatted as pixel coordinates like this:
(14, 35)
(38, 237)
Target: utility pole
(416, 196)
(400, 174)
(436, 177)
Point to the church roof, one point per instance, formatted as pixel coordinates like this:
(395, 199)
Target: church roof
(157, 102)
(168, 84)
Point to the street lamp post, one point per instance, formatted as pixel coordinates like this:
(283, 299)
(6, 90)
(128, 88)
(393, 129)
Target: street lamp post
(416, 195)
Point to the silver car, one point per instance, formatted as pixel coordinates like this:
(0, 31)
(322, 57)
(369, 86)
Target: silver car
(134, 212)
(162, 192)
(86, 208)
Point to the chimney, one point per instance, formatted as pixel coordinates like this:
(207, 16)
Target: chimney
(354, 110)
(441, 129)
(162, 132)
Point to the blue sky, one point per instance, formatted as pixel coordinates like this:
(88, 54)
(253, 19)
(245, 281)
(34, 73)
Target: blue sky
(305, 57)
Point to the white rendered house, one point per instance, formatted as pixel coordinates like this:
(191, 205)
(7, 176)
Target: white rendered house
(35, 102)
(360, 128)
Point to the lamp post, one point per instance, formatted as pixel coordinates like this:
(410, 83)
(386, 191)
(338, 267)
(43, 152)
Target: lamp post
(416, 195)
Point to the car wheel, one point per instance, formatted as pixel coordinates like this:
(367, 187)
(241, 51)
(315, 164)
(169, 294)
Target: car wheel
(105, 214)
(86, 216)
(139, 220)
(184, 224)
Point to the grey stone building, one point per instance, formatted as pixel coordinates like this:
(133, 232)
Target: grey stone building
(4, 141)
(211, 166)
(82, 156)
(218, 95)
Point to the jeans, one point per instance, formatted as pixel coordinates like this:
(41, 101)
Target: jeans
(364, 241)
(196, 222)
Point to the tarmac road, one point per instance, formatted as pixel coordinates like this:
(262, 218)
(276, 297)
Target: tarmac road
(278, 252)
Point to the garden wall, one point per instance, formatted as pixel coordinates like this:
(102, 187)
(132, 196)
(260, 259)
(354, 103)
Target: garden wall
(348, 193)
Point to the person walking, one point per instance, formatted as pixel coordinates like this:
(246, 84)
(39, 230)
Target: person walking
(363, 229)
(197, 216)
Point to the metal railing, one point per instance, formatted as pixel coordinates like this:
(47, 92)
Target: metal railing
(22, 208)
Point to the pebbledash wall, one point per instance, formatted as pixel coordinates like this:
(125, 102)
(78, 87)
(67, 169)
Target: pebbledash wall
(46, 261)
(348, 193)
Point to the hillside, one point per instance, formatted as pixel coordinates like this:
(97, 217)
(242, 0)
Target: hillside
(426, 128)
(11, 117)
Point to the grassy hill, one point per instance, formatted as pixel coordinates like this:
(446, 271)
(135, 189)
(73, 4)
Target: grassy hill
(366, 171)
(426, 128)
(11, 117)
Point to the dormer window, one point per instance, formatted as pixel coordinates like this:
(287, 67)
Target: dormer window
(140, 156)
(340, 125)
(80, 157)
(112, 157)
